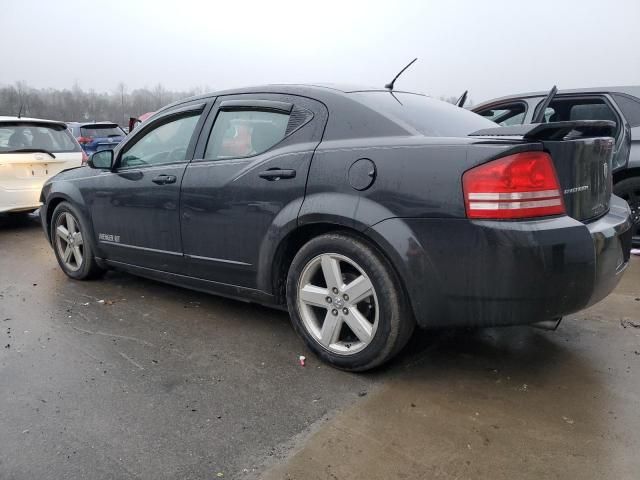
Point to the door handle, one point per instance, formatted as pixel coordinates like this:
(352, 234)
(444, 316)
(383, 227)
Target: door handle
(277, 173)
(164, 179)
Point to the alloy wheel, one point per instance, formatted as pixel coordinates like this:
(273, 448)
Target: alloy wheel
(69, 241)
(338, 304)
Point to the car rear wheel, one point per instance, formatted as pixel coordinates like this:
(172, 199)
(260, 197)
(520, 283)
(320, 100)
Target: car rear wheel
(629, 190)
(71, 244)
(346, 302)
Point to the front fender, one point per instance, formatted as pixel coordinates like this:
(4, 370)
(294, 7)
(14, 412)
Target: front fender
(60, 191)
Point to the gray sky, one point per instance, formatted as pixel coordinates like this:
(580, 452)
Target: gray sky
(491, 47)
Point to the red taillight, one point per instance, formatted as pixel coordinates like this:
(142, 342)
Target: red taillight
(85, 158)
(522, 185)
(83, 140)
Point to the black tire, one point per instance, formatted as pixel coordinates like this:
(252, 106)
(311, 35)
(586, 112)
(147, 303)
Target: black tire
(629, 190)
(395, 318)
(89, 268)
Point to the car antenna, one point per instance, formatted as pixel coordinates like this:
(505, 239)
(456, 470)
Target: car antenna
(389, 86)
(20, 109)
(463, 98)
(539, 115)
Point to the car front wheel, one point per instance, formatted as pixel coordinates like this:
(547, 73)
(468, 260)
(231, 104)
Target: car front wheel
(71, 244)
(346, 302)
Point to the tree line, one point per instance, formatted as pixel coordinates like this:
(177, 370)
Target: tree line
(79, 105)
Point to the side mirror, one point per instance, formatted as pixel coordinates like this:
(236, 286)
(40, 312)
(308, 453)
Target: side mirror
(102, 160)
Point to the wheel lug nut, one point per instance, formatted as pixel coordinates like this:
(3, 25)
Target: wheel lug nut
(328, 299)
(346, 297)
(334, 290)
(334, 312)
(345, 311)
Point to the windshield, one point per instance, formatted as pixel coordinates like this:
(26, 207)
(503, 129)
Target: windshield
(424, 115)
(49, 137)
(101, 131)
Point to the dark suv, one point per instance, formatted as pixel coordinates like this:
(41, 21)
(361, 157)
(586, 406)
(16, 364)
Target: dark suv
(617, 104)
(96, 136)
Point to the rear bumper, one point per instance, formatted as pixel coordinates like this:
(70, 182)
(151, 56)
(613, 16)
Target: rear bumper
(15, 200)
(482, 273)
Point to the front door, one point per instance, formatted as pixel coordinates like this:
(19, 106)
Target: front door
(135, 208)
(247, 178)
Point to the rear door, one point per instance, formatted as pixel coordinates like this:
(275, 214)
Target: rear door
(566, 107)
(247, 179)
(135, 208)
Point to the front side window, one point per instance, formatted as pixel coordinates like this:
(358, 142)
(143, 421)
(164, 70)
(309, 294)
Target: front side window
(166, 143)
(512, 114)
(244, 133)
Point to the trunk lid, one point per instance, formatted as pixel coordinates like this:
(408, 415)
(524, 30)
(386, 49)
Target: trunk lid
(584, 171)
(582, 153)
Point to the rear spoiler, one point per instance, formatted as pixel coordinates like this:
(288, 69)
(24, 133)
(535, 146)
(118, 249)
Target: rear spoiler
(552, 131)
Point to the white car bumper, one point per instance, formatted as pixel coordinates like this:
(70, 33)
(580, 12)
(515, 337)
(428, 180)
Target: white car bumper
(16, 200)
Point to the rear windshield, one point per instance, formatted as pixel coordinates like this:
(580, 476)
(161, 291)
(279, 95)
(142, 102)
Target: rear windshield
(52, 138)
(424, 115)
(101, 131)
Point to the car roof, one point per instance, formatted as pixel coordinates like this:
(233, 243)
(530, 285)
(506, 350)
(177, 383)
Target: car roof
(83, 124)
(6, 119)
(633, 90)
(318, 91)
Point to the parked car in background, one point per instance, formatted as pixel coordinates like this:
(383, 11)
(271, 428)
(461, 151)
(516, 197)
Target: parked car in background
(620, 105)
(31, 151)
(362, 211)
(96, 136)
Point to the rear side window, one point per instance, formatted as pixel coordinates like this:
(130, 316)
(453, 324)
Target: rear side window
(244, 133)
(630, 107)
(424, 115)
(52, 138)
(101, 131)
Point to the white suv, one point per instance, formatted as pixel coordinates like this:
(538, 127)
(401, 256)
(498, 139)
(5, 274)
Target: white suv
(31, 151)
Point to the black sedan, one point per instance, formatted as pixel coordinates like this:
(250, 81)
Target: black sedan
(364, 212)
(620, 105)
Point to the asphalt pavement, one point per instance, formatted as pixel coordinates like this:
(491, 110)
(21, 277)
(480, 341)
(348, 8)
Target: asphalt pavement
(127, 378)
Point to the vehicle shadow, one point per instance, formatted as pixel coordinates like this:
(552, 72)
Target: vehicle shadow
(18, 221)
(510, 402)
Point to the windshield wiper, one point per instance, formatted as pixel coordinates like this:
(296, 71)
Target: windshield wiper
(32, 150)
(538, 117)
(463, 98)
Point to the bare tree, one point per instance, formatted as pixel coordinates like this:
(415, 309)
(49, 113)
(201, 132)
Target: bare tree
(76, 104)
(159, 93)
(122, 92)
(22, 90)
